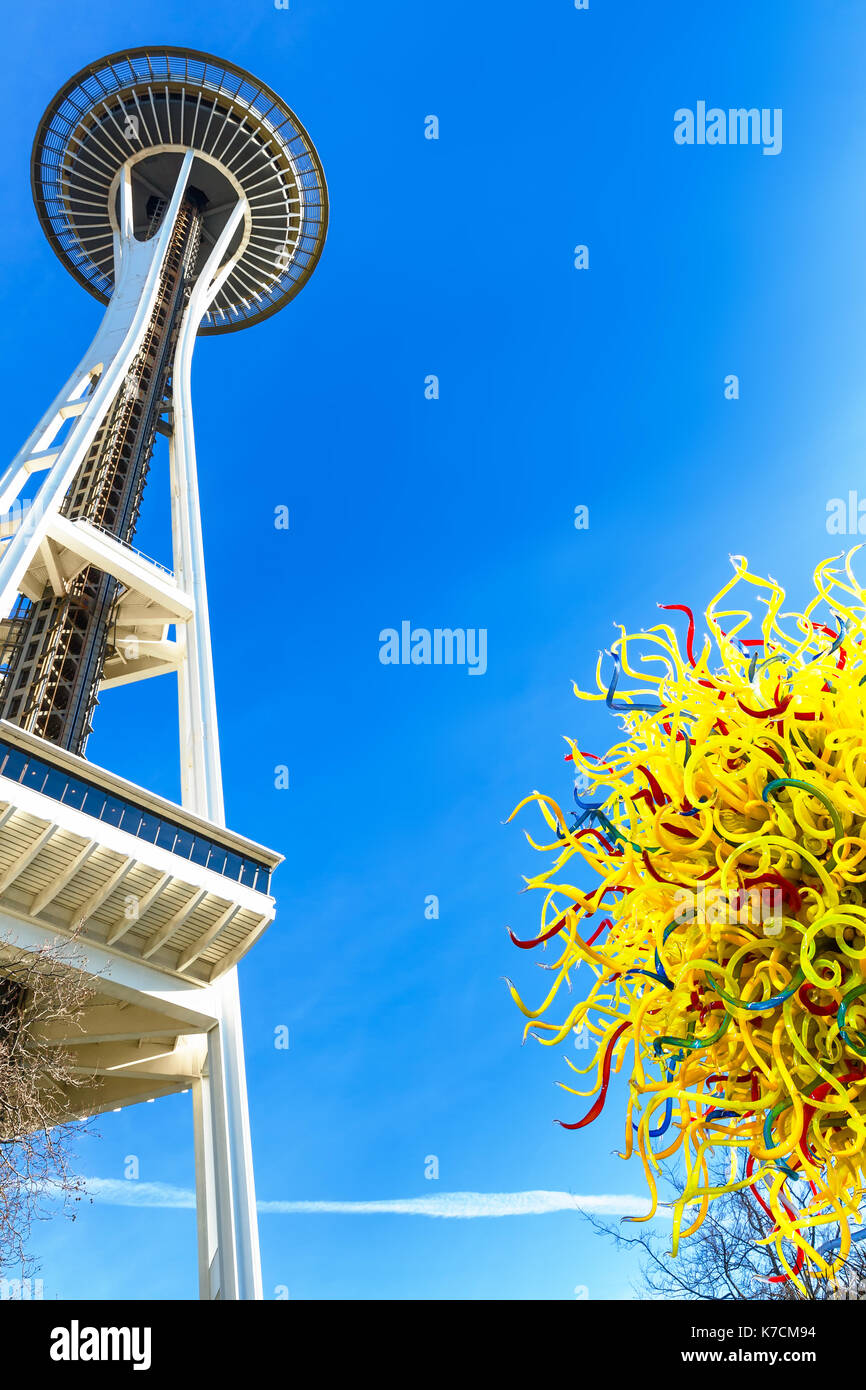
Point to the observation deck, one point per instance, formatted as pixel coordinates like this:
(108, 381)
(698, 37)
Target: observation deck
(151, 105)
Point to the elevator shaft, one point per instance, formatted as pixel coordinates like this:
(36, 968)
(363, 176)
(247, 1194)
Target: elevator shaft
(54, 666)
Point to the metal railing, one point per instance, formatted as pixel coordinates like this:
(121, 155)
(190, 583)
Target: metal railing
(148, 559)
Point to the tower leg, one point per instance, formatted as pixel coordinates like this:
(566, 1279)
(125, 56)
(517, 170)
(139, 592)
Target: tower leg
(233, 1110)
(228, 1238)
(205, 1191)
(225, 1190)
(201, 778)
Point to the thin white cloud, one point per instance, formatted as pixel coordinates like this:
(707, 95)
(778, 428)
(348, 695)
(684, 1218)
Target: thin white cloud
(461, 1205)
(474, 1204)
(116, 1192)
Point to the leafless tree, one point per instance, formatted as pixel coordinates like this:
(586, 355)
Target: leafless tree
(42, 997)
(723, 1260)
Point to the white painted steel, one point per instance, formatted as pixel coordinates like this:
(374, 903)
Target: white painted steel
(239, 1262)
(229, 1260)
(110, 354)
(201, 778)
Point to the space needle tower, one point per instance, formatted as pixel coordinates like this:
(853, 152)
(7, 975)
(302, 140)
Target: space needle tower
(187, 197)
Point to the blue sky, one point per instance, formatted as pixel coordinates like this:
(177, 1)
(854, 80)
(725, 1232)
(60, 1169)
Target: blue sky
(558, 387)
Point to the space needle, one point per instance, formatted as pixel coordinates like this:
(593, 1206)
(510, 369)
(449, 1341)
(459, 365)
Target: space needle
(187, 197)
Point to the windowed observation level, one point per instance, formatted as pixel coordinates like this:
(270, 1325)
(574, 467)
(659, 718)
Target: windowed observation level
(86, 852)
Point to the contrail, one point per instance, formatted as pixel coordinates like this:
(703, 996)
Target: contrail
(461, 1205)
(474, 1204)
(118, 1193)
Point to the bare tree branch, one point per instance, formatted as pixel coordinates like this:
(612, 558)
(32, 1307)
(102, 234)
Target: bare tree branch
(38, 1083)
(723, 1259)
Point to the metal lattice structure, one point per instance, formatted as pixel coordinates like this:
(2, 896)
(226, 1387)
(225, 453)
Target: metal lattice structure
(55, 665)
(188, 197)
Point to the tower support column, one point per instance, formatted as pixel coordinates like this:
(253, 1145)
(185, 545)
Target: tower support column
(245, 1226)
(201, 775)
(187, 197)
(225, 1185)
(228, 1236)
(209, 1279)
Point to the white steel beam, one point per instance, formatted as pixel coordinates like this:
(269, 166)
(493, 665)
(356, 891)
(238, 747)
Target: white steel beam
(192, 952)
(57, 884)
(201, 777)
(144, 579)
(122, 927)
(106, 363)
(81, 915)
(18, 865)
(166, 932)
(49, 557)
